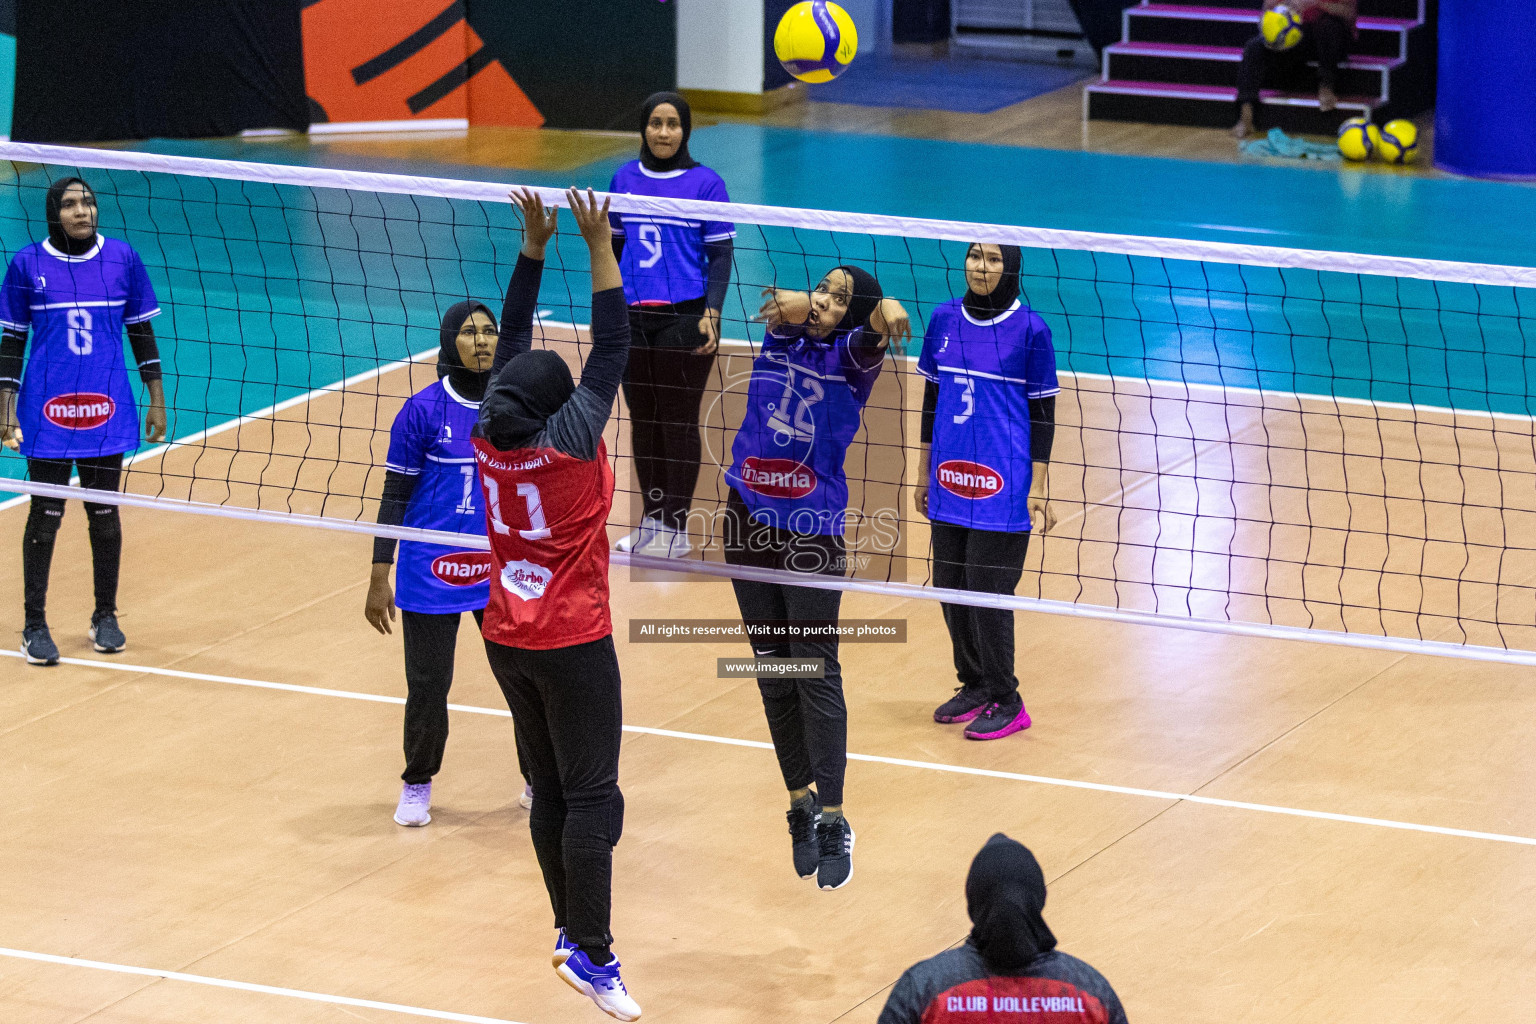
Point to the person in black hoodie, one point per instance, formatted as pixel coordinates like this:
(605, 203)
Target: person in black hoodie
(430, 483)
(1008, 968)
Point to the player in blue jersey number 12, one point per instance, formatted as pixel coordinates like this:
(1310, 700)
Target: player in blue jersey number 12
(73, 407)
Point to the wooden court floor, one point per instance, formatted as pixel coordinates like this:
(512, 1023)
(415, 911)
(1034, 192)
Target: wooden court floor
(164, 815)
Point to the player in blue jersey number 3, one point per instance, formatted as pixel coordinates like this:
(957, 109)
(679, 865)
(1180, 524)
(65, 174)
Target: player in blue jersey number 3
(989, 420)
(75, 292)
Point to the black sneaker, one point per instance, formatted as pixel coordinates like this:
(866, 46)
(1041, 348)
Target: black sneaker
(802, 837)
(38, 646)
(999, 720)
(965, 705)
(835, 839)
(106, 634)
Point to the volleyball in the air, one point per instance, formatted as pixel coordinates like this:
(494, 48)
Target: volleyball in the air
(1357, 138)
(816, 41)
(1281, 28)
(1399, 142)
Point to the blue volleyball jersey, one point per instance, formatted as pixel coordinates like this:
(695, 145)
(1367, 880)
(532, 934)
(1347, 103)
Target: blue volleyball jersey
(664, 257)
(76, 400)
(430, 441)
(987, 370)
(805, 401)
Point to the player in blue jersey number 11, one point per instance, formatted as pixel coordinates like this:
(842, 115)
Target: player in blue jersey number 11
(73, 408)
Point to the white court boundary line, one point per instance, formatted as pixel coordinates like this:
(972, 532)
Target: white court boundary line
(778, 216)
(899, 762)
(246, 986)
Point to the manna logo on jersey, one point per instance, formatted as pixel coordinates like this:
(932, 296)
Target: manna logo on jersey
(462, 568)
(82, 411)
(969, 479)
(778, 478)
(525, 580)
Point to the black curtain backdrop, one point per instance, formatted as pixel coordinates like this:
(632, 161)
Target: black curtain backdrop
(583, 63)
(919, 21)
(93, 70)
(774, 74)
(1101, 19)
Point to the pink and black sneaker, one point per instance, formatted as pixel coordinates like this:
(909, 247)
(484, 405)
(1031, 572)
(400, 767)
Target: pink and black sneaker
(998, 720)
(965, 705)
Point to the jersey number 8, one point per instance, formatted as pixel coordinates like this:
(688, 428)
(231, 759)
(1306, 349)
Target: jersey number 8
(79, 331)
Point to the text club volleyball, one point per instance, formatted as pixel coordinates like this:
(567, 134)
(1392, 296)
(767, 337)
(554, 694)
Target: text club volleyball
(816, 41)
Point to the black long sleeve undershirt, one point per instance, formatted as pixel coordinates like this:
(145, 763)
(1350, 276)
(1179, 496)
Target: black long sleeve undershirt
(398, 488)
(141, 336)
(576, 427)
(1042, 422)
(717, 256)
(515, 335)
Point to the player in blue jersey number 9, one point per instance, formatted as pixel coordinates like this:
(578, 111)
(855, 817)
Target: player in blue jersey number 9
(73, 408)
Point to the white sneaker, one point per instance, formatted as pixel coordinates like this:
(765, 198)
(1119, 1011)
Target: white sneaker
(639, 537)
(412, 810)
(602, 985)
(668, 542)
(526, 800)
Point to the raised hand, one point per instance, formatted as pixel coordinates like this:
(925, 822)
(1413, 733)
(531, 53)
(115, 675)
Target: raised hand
(539, 223)
(890, 321)
(591, 219)
(782, 306)
(597, 232)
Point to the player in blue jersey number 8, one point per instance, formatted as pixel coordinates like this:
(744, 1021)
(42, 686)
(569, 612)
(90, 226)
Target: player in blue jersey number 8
(76, 293)
(989, 420)
(788, 501)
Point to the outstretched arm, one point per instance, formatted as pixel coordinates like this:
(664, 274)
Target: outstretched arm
(577, 426)
(517, 309)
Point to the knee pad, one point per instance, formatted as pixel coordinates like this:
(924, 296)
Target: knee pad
(43, 520)
(103, 521)
(615, 817)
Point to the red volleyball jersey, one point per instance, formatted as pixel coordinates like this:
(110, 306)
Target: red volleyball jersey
(546, 515)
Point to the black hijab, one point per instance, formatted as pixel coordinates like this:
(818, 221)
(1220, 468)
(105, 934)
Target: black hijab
(470, 384)
(527, 392)
(56, 233)
(866, 295)
(677, 161)
(985, 307)
(1005, 894)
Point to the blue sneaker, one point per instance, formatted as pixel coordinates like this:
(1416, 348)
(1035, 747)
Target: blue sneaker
(37, 644)
(564, 947)
(602, 985)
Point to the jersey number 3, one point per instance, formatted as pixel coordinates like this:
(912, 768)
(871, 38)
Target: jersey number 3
(539, 530)
(79, 331)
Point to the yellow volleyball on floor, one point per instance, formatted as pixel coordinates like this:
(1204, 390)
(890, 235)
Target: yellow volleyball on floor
(1399, 142)
(816, 41)
(1281, 27)
(1357, 138)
